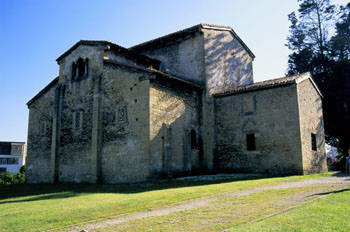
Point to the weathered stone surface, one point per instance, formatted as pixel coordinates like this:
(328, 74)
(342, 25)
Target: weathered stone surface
(115, 115)
(125, 144)
(311, 121)
(183, 57)
(272, 115)
(174, 113)
(227, 63)
(39, 139)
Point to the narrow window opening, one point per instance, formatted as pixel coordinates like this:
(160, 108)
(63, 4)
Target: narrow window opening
(251, 143)
(74, 70)
(77, 120)
(42, 128)
(81, 67)
(313, 142)
(193, 139)
(121, 114)
(86, 66)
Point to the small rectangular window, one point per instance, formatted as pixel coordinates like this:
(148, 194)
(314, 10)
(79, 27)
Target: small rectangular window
(43, 128)
(251, 145)
(193, 139)
(77, 120)
(122, 114)
(10, 161)
(313, 142)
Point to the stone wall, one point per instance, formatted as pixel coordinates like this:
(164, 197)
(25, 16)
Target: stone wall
(75, 159)
(125, 125)
(182, 58)
(272, 116)
(39, 139)
(311, 121)
(174, 115)
(227, 63)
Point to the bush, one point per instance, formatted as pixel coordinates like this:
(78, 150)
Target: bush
(6, 178)
(23, 169)
(9, 178)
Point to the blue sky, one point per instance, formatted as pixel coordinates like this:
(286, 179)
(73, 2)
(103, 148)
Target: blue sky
(34, 33)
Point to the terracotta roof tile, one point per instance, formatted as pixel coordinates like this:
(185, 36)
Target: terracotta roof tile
(263, 85)
(154, 71)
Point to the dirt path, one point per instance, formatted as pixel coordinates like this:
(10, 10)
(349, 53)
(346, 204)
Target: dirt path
(336, 182)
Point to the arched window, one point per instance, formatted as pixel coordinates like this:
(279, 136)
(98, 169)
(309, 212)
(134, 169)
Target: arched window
(81, 67)
(86, 66)
(193, 139)
(74, 70)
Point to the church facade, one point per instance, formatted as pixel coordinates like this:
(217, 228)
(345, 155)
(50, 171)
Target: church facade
(180, 104)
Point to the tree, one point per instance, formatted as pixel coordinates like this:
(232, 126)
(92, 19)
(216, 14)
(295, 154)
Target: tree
(327, 57)
(340, 42)
(309, 36)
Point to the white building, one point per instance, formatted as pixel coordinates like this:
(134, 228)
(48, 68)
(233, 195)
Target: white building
(12, 156)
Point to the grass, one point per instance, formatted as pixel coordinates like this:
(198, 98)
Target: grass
(41, 207)
(226, 212)
(331, 213)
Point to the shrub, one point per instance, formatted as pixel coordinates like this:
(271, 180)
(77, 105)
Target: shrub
(9, 178)
(6, 178)
(23, 169)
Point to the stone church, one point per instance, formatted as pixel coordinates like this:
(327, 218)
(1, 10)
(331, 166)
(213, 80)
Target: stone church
(181, 104)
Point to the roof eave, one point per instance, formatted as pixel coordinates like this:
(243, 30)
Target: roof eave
(43, 91)
(152, 71)
(229, 93)
(222, 28)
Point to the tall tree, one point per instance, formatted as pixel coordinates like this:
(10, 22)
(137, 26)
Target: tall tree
(340, 42)
(337, 103)
(314, 49)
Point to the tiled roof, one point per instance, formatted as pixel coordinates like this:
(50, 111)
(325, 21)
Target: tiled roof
(185, 32)
(153, 71)
(112, 46)
(267, 84)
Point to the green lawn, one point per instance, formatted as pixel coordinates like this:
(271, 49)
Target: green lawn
(331, 213)
(40, 207)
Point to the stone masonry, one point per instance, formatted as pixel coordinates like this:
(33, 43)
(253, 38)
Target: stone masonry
(180, 104)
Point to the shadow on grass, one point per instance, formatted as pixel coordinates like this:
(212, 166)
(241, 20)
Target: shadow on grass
(35, 192)
(336, 191)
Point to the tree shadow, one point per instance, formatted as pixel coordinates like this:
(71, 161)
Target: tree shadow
(330, 192)
(37, 192)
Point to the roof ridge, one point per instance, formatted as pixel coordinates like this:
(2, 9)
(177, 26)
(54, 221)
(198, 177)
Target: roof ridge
(164, 36)
(106, 43)
(215, 25)
(264, 84)
(188, 30)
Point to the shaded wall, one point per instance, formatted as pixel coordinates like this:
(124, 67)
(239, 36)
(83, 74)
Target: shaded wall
(174, 113)
(75, 159)
(182, 58)
(311, 121)
(125, 143)
(272, 116)
(39, 139)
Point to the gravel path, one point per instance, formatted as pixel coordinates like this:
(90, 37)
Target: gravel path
(341, 181)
